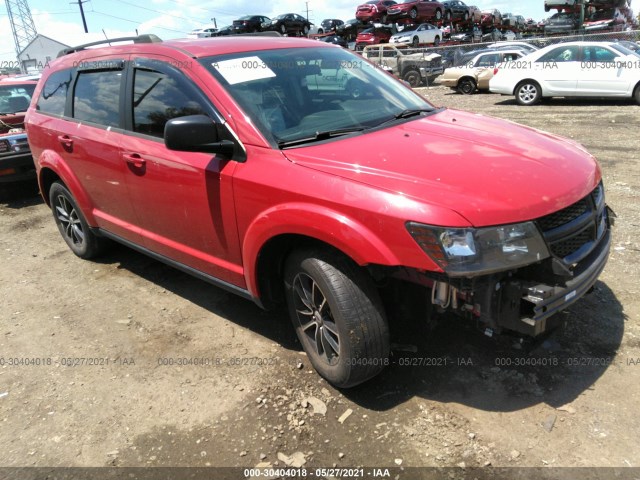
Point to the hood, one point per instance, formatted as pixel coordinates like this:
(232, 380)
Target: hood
(11, 122)
(490, 171)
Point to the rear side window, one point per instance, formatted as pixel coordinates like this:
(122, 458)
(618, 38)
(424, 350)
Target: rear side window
(53, 96)
(157, 98)
(96, 97)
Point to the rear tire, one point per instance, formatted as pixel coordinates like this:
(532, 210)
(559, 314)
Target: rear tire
(337, 315)
(466, 86)
(415, 42)
(436, 41)
(528, 93)
(438, 15)
(72, 225)
(413, 13)
(636, 94)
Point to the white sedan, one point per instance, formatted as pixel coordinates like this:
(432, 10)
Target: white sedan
(424, 33)
(572, 69)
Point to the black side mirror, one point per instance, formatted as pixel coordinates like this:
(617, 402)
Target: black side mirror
(196, 133)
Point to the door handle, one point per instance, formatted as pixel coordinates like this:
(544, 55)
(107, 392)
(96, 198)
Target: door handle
(134, 159)
(66, 141)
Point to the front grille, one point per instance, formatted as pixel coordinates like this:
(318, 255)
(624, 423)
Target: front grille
(564, 216)
(571, 233)
(569, 245)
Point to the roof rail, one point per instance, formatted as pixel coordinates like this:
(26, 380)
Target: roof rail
(147, 38)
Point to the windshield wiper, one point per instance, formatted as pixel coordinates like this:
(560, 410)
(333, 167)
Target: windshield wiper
(408, 113)
(318, 136)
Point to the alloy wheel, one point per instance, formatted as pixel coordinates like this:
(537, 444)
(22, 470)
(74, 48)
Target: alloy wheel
(315, 318)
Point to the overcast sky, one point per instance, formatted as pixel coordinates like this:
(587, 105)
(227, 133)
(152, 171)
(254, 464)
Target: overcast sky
(175, 18)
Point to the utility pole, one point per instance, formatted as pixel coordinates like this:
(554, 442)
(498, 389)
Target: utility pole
(307, 6)
(84, 21)
(22, 26)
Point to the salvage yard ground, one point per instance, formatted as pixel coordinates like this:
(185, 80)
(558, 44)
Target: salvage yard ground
(90, 355)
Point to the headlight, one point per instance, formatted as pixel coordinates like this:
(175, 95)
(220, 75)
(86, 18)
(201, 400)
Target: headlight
(468, 252)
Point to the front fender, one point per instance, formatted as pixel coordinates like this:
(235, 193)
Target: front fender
(51, 161)
(321, 223)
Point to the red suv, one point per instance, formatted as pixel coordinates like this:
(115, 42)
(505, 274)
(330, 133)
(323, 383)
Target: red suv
(418, 11)
(296, 173)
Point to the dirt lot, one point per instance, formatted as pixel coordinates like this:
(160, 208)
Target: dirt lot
(102, 384)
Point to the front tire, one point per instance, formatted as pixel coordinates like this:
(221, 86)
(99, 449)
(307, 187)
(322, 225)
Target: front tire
(412, 77)
(528, 93)
(415, 42)
(436, 41)
(413, 13)
(337, 315)
(283, 29)
(438, 15)
(636, 94)
(72, 225)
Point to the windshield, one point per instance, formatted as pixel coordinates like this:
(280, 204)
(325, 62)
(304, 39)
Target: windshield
(624, 50)
(15, 98)
(280, 17)
(293, 94)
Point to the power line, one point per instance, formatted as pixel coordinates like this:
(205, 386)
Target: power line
(135, 22)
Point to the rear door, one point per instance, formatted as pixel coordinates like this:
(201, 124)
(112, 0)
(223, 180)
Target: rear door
(184, 200)
(87, 138)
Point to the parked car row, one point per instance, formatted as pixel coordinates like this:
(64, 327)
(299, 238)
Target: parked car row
(572, 69)
(286, 24)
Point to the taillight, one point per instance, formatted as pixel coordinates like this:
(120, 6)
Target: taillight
(495, 71)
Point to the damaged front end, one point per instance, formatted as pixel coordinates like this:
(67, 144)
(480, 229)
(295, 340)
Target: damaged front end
(516, 277)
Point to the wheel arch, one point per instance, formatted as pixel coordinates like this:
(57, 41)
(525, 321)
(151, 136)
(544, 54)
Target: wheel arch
(466, 77)
(524, 80)
(51, 169)
(276, 233)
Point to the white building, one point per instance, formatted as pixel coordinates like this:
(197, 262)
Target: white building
(40, 51)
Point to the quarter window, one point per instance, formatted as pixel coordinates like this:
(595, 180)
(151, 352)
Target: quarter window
(96, 97)
(157, 98)
(53, 96)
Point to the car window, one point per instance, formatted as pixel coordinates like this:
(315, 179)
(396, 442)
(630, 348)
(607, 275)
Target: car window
(561, 54)
(95, 97)
(487, 60)
(157, 98)
(15, 98)
(511, 56)
(598, 54)
(53, 96)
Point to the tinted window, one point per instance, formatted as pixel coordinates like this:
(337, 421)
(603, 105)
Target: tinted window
(54, 93)
(95, 97)
(158, 98)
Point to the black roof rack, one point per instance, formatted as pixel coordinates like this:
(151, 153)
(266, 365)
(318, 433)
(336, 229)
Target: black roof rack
(147, 38)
